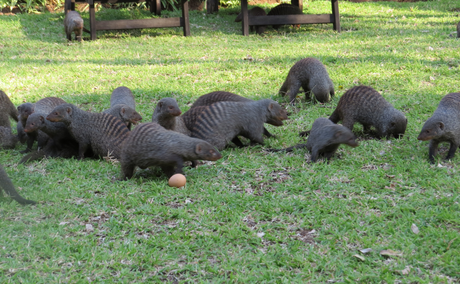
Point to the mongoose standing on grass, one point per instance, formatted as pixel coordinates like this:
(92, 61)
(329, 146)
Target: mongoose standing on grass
(458, 30)
(7, 139)
(103, 133)
(73, 23)
(325, 138)
(443, 126)
(57, 131)
(8, 187)
(123, 106)
(43, 106)
(256, 11)
(310, 74)
(222, 96)
(24, 110)
(365, 105)
(223, 121)
(167, 114)
(284, 9)
(7, 110)
(149, 144)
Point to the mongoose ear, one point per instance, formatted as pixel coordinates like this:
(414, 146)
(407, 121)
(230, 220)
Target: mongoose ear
(441, 125)
(271, 106)
(160, 104)
(198, 149)
(123, 110)
(69, 110)
(42, 119)
(338, 133)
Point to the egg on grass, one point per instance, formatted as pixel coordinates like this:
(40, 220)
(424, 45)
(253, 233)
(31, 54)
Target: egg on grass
(177, 180)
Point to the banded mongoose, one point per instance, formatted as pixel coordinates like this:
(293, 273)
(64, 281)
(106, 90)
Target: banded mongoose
(43, 106)
(73, 23)
(223, 121)
(7, 110)
(149, 144)
(167, 114)
(256, 11)
(57, 131)
(365, 105)
(458, 30)
(222, 96)
(8, 187)
(24, 110)
(325, 138)
(7, 139)
(123, 106)
(443, 126)
(103, 133)
(310, 74)
(284, 9)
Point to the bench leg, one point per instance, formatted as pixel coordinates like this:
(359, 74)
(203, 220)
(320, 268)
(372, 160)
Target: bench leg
(244, 12)
(155, 7)
(336, 15)
(92, 21)
(185, 18)
(298, 3)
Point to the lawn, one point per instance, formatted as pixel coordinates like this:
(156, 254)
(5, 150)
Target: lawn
(252, 216)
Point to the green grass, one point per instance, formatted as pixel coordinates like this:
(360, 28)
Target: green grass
(315, 217)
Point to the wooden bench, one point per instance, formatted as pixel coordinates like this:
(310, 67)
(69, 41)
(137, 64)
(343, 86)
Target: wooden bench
(155, 8)
(334, 18)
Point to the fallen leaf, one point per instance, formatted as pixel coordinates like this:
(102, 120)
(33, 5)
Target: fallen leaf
(405, 271)
(261, 234)
(89, 227)
(414, 229)
(367, 250)
(389, 252)
(63, 223)
(359, 257)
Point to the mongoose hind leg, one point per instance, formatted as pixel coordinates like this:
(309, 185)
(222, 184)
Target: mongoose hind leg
(452, 150)
(293, 90)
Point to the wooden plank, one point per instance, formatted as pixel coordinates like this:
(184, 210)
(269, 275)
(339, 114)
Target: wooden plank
(336, 14)
(245, 21)
(185, 21)
(291, 19)
(138, 24)
(92, 20)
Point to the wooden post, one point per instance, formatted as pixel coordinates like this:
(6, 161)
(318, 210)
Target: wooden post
(244, 12)
(92, 19)
(155, 7)
(212, 6)
(298, 3)
(185, 18)
(336, 15)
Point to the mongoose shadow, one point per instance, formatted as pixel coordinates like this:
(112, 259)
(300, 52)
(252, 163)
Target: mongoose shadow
(7, 185)
(256, 11)
(310, 74)
(365, 105)
(443, 126)
(149, 144)
(324, 139)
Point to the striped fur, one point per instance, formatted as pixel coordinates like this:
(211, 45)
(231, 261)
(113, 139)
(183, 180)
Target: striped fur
(365, 105)
(149, 144)
(284, 9)
(223, 121)
(443, 126)
(218, 96)
(43, 106)
(310, 74)
(101, 132)
(7, 110)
